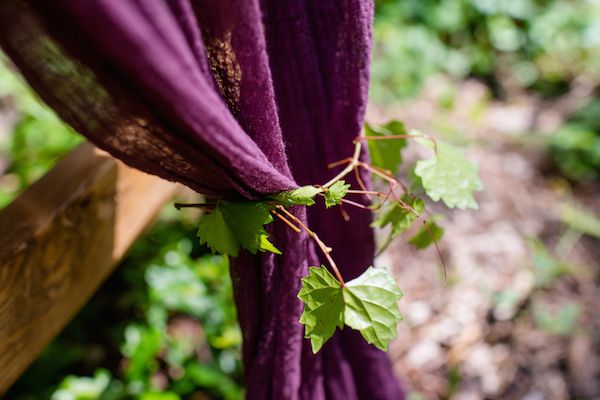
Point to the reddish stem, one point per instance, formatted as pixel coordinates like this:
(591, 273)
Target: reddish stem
(344, 213)
(355, 204)
(324, 249)
(339, 162)
(286, 221)
(360, 181)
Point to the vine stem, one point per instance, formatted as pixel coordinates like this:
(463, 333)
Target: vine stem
(361, 184)
(385, 175)
(339, 162)
(352, 191)
(411, 210)
(207, 206)
(326, 250)
(286, 221)
(352, 163)
(355, 204)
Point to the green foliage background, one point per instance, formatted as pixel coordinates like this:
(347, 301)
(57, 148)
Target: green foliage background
(541, 44)
(163, 327)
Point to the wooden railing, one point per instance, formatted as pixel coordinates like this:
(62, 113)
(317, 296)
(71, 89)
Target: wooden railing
(60, 240)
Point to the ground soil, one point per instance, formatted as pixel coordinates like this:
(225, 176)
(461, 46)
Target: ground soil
(491, 330)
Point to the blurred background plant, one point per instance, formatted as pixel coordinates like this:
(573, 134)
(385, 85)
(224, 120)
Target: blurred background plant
(31, 136)
(540, 45)
(518, 81)
(162, 327)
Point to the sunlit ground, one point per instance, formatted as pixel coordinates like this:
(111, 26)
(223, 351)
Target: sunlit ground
(516, 316)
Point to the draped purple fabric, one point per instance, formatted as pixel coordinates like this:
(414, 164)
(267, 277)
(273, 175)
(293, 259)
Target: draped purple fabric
(231, 98)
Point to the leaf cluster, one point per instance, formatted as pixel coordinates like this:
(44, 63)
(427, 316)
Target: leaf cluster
(335, 194)
(237, 224)
(387, 154)
(400, 215)
(449, 177)
(302, 196)
(367, 304)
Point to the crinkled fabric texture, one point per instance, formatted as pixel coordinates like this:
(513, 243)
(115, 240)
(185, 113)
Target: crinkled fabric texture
(231, 98)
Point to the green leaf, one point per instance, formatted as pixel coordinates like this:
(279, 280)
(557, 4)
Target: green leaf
(303, 196)
(177, 288)
(580, 219)
(546, 268)
(216, 233)
(367, 304)
(386, 154)
(400, 218)
(83, 387)
(266, 245)
(323, 306)
(371, 306)
(207, 376)
(562, 322)
(141, 347)
(234, 225)
(247, 219)
(425, 237)
(450, 177)
(159, 396)
(416, 185)
(335, 194)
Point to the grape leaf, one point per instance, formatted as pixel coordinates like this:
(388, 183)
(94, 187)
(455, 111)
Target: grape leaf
(386, 154)
(216, 233)
(265, 245)
(234, 225)
(371, 306)
(247, 219)
(367, 304)
(450, 177)
(416, 185)
(335, 194)
(323, 306)
(424, 238)
(400, 218)
(302, 196)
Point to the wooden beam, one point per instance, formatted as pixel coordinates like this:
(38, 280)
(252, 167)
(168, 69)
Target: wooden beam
(60, 240)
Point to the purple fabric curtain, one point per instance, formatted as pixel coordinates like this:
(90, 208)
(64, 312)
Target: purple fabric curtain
(231, 98)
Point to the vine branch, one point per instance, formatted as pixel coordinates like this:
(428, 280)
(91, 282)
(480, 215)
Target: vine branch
(324, 248)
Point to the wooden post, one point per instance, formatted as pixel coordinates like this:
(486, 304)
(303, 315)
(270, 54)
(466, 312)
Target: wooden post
(59, 241)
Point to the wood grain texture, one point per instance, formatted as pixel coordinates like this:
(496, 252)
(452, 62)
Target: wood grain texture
(59, 241)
